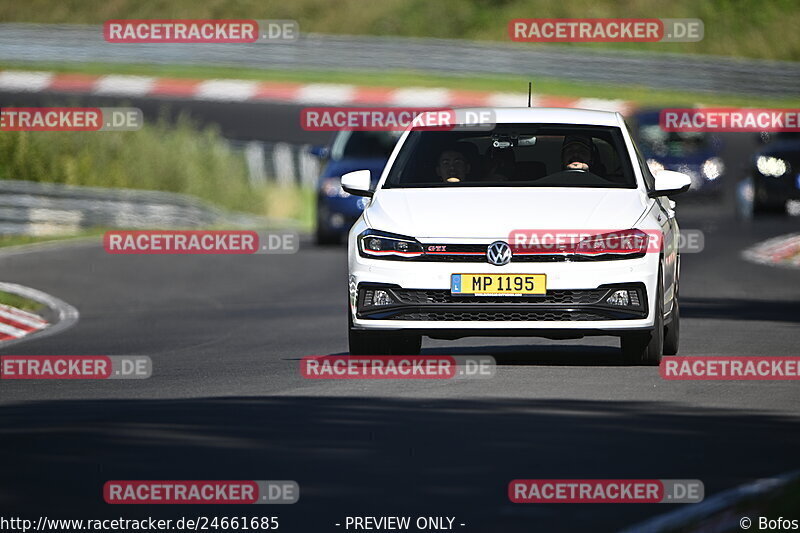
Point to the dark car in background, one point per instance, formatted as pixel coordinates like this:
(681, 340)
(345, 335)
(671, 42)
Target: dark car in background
(695, 154)
(349, 151)
(775, 173)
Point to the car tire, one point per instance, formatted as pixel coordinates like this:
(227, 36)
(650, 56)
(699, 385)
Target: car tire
(646, 348)
(368, 343)
(381, 343)
(406, 344)
(673, 330)
(325, 238)
(769, 209)
(762, 205)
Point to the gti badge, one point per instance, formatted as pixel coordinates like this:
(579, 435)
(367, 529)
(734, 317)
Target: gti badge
(499, 253)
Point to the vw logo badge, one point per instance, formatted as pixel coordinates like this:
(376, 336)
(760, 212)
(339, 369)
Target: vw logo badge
(499, 253)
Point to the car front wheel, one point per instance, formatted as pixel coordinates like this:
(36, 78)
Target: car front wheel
(673, 330)
(382, 343)
(646, 347)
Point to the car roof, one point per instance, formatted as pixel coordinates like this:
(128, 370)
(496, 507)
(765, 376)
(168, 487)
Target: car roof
(550, 115)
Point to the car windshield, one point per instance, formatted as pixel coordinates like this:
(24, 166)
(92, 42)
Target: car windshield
(364, 145)
(521, 155)
(654, 141)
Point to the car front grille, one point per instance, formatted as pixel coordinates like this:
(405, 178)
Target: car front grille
(435, 296)
(555, 305)
(501, 315)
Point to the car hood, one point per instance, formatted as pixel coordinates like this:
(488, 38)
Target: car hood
(493, 212)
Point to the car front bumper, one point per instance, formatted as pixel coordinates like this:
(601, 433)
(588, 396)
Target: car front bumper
(573, 305)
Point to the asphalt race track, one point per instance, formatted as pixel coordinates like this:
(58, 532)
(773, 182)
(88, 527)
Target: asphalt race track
(226, 399)
(244, 121)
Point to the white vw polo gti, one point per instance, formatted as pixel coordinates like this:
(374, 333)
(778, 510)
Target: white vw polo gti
(547, 223)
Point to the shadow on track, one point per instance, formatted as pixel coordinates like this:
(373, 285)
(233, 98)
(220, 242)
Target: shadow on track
(740, 309)
(528, 355)
(357, 456)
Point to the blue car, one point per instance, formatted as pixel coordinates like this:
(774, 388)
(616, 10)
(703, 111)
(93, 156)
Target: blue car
(696, 154)
(337, 210)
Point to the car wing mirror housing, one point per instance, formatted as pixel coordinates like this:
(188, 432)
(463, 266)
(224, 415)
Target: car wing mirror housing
(358, 183)
(669, 182)
(320, 152)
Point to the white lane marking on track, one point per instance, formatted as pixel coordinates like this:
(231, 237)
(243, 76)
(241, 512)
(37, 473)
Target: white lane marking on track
(226, 90)
(601, 104)
(124, 85)
(326, 93)
(510, 100)
(18, 80)
(421, 97)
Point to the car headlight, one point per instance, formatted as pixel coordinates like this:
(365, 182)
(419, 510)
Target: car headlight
(332, 187)
(655, 166)
(382, 245)
(712, 168)
(630, 243)
(771, 166)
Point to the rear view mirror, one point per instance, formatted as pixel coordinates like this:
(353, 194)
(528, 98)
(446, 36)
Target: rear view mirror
(319, 151)
(669, 182)
(358, 183)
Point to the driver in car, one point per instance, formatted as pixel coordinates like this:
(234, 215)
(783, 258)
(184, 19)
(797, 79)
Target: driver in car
(452, 166)
(576, 152)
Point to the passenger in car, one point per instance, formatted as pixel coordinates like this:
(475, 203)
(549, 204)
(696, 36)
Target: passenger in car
(576, 152)
(452, 165)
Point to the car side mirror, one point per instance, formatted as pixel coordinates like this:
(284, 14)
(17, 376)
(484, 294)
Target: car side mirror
(358, 183)
(319, 151)
(669, 182)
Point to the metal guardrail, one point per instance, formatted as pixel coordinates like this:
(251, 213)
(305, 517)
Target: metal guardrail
(73, 43)
(32, 208)
(281, 163)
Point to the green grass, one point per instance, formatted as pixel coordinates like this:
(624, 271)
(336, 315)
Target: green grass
(161, 156)
(19, 302)
(21, 240)
(744, 28)
(641, 95)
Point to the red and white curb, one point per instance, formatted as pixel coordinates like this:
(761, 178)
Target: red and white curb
(779, 251)
(16, 323)
(230, 90)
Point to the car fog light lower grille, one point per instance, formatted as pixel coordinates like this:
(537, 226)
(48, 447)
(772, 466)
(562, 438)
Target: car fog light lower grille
(620, 298)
